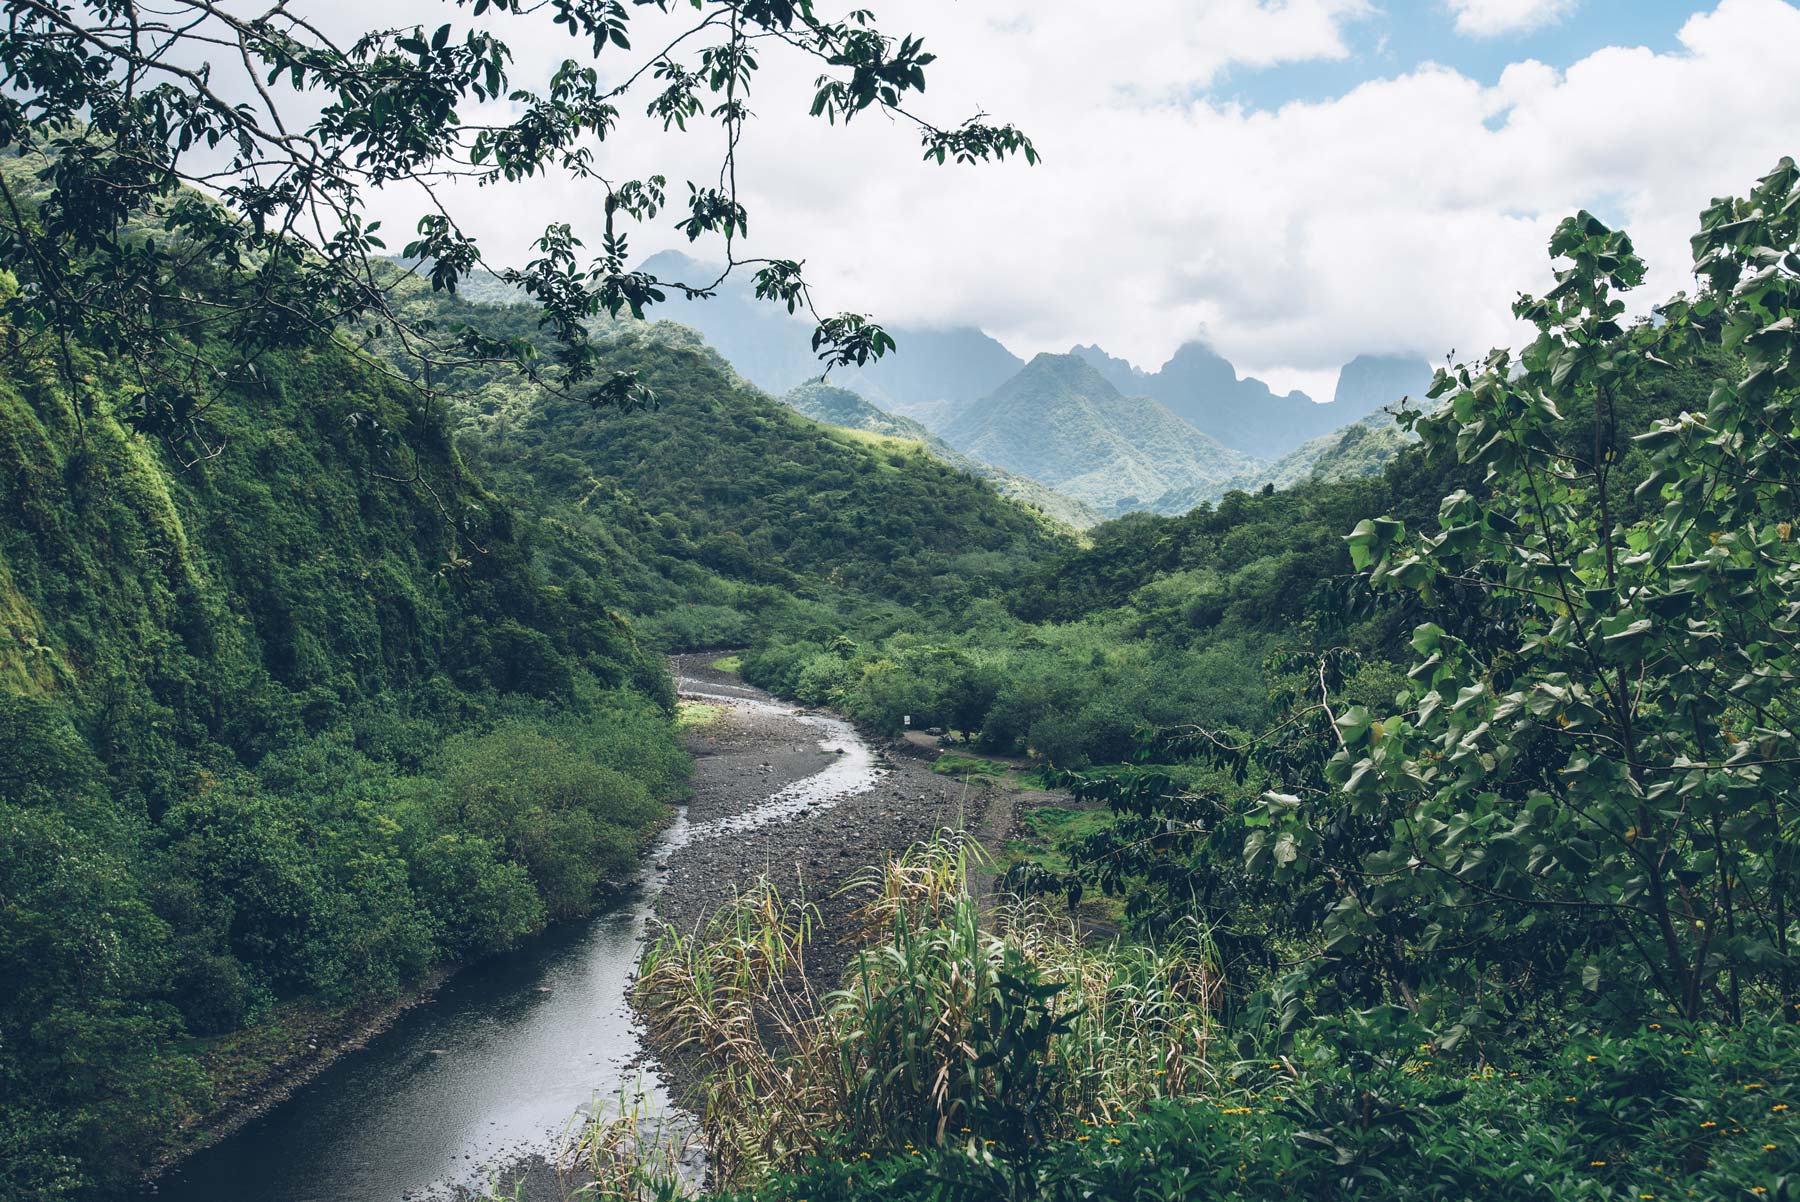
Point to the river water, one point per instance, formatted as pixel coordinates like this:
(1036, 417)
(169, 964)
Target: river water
(500, 1064)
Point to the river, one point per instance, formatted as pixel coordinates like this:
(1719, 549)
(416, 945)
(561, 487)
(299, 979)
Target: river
(499, 1065)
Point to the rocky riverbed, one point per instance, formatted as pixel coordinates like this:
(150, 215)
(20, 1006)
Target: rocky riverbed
(797, 795)
(757, 747)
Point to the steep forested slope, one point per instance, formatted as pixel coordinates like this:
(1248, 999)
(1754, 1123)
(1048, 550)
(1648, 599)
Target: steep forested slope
(285, 725)
(721, 511)
(841, 407)
(1059, 422)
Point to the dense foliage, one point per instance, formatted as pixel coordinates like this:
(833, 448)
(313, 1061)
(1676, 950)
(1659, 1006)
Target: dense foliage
(1660, 1111)
(299, 722)
(1500, 890)
(725, 517)
(1576, 796)
(289, 125)
(1455, 799)
(1154, 622)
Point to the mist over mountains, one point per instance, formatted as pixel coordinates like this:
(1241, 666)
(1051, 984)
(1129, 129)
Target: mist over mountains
(1059, 421)
(772, 349)
(1081, 435)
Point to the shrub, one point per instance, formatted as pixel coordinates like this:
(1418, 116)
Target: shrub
(1659, 1111)
(555, 810)
(942, 1033)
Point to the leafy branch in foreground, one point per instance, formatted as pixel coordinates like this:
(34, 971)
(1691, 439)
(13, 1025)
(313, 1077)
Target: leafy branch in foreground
(1583, 790)
(1630, 760)
(199, 178)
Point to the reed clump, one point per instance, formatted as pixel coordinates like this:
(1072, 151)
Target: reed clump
(996, 1036)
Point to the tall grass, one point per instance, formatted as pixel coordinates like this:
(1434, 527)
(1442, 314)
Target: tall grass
(926, 1039)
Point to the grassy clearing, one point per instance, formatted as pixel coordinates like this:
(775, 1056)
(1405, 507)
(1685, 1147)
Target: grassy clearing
(691, 715)
(728, 663)
(1047, 834)
(869, 438)
(1044, 837)
(951, 764)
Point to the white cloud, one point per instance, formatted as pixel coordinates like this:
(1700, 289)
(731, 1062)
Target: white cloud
(1402, 216)
(1490, 18)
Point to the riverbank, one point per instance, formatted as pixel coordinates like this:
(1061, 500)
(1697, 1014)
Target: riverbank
(759, 746)
(255, 1070)
(477, 1089)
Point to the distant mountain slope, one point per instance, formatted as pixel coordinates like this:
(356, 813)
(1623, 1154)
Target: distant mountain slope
(842, 407)
(1363, 448)
(1061, 423)
(773, 349)
(1368, 382)
(933, 372)
(1201, 386)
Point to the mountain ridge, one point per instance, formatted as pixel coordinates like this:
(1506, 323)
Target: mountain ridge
(1061, 423)
(1202, 387)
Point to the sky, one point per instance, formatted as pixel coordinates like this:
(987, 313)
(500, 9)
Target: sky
(1293, 181)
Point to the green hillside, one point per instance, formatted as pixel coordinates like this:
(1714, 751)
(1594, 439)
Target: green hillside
(1362, 448)
(283, 729)
(842, 407)
(1060, 423)
(722, 513)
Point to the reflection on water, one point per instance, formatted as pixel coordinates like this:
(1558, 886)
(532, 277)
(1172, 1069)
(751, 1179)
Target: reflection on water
(501, 1061)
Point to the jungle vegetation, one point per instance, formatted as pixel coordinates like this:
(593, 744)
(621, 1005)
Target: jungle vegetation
(1450, 807)
(1491, 895)
(293, 708)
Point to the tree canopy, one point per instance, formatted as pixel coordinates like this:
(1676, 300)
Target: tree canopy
(206, 175)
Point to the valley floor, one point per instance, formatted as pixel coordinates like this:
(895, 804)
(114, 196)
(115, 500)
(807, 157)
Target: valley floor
(747, 753)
